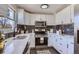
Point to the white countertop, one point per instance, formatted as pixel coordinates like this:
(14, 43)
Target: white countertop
(62, 34)
(16, 46)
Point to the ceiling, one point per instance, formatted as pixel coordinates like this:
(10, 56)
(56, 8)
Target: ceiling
(35, 8)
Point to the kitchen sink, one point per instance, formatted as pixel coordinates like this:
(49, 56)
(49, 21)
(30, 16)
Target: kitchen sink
(20, 37)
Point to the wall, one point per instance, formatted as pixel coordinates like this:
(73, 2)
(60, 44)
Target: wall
(76, 27)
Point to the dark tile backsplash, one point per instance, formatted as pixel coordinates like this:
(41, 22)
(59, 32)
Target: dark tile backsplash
(69, 29)
(66, 29)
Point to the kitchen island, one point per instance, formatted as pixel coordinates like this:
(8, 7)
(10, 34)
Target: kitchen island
(16, 45)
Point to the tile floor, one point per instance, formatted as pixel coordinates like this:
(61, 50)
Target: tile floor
(45, 50)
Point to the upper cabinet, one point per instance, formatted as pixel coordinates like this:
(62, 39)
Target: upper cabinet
(65, 16)
(32, 19)
(37, 17)
(3, 10)
(40, 17)
(23, 17)
(58, 18)
(27, 18)
(50, 19)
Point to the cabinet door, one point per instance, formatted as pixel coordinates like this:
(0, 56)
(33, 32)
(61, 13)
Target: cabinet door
(42, 17)
(58, 18)
(56, 42)
(38, 17)
(63, 45)
(70, 45)
(72, 13)
(50, 39)
(32, 20)
(53, 40)
(21, 16)
(66, 19)
(32, 40)
(27, 18)
(50, 20)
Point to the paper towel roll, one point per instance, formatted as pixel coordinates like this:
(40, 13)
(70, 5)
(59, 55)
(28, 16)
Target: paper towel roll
(41, 40)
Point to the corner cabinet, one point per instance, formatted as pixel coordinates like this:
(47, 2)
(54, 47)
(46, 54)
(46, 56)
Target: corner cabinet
(3, 10)
(68, 14)
(65, 16)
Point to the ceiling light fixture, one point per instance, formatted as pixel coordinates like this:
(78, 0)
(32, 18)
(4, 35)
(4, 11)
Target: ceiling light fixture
(44, 6)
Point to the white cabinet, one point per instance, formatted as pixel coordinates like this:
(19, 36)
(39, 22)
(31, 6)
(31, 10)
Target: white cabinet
(43, 17)
(63, 44)
(59, 18)
(27, 18)
(50, 39)
(40, 17)
(21, 16)
(50, 19)
(3, 10)
(32, 20)
(65, 16)
(53, 40)
(37, 17)
(32, 40)
(70, 45)
(72, 13)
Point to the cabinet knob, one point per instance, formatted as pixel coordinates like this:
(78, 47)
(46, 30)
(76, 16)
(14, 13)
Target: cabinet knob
(60, 38)
(56, 40)
(61, 50)
(72, 43)
(60, 43)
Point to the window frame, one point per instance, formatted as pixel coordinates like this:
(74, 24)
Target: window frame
(9, 14)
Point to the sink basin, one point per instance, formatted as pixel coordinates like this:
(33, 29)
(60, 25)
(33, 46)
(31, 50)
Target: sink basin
(20, 37)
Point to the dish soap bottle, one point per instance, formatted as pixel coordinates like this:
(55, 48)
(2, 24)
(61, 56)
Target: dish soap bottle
(1, 43)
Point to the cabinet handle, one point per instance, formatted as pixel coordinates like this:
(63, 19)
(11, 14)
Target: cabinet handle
(60, 43)
(72, 43)
(56, 40)
(71, 20)
(60, 38)
(61, 50)
(67, 45)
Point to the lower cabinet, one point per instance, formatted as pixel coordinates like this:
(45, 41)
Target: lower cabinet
(64, 44)
(32, 40)
(70, 45)
(50, 40)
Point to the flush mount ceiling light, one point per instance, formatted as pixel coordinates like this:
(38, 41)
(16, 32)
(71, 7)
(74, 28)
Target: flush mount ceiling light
(44, 6)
